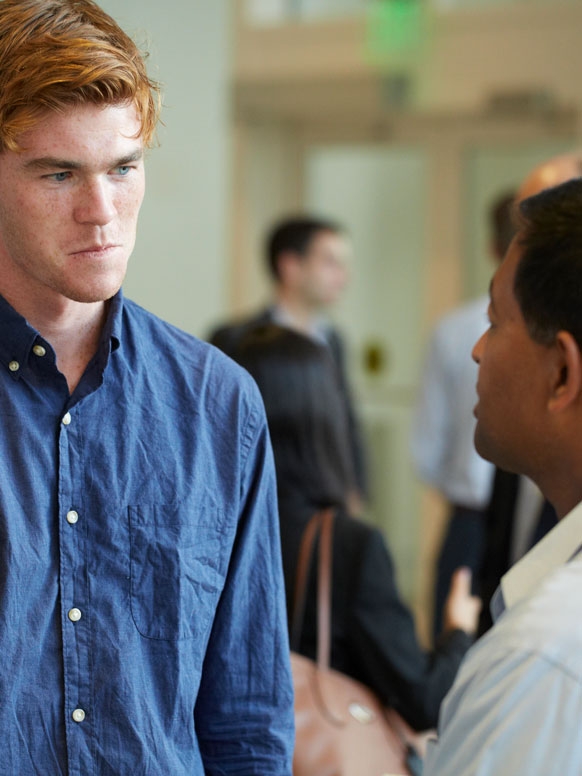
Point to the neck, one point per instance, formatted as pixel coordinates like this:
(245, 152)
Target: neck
(72, 328)
(561, 483)
(302, 315)
(563, 499)
(76, 340)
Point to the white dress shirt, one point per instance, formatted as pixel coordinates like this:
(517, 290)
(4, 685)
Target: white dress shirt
(318, 330)
(443, 425)
(528, 506)
(515, 708)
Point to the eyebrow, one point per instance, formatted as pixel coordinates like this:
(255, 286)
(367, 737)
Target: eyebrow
(54, 163)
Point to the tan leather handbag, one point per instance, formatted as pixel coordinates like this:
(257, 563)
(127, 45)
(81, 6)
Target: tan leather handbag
(342, 729)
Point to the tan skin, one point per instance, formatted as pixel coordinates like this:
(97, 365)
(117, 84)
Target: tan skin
(529, 409)
(461, 608)
(563, 359)
(69, 203)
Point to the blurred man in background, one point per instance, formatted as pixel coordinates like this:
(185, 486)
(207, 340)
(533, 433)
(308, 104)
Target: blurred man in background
(443, 425)
(307, 259)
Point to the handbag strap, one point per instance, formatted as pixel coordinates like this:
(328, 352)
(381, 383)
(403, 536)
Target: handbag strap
(300, 592)
(322, 523)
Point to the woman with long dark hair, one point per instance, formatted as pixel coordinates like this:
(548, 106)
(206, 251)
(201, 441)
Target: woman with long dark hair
(373, 634)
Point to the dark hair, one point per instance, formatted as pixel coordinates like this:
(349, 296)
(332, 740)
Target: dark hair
(502, 221)
(305, 413)
(548, 279)
(294, 235)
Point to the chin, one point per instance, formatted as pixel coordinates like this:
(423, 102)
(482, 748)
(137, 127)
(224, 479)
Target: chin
(483, 446)
(95, 289)
(498, 454)
(93, 295)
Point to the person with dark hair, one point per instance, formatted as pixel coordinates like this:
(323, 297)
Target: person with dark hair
(142, 601)
(294, 236)
(517, 515)
(515, 705)
(307, 258)
(373, 634)
(502, 224)
(443, 424)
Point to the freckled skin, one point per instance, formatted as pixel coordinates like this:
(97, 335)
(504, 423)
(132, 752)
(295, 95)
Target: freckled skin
(69, 204)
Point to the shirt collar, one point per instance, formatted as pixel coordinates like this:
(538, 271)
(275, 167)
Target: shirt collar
(556, 548)
(112, 329)
(17, 336)
(317, 331)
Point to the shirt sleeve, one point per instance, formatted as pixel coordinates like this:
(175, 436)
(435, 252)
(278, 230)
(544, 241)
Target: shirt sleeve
(432, 417)
(516, 715)
(244, 711)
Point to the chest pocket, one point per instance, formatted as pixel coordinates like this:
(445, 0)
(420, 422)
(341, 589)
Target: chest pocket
(178, 562)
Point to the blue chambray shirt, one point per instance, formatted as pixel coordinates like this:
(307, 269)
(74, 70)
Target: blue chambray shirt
(142, 625)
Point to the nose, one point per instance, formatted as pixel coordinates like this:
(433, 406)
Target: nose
(478, 349)
(94, 204)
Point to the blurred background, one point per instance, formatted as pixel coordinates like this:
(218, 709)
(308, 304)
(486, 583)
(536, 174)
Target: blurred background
(402, 119)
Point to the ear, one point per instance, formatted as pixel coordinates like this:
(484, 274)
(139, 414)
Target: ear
(288, 264)
(567, 383)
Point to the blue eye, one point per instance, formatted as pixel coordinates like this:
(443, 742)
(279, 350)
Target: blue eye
(59, 177)
(122, 169)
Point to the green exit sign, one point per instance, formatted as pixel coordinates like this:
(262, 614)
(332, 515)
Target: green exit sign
(395, 27)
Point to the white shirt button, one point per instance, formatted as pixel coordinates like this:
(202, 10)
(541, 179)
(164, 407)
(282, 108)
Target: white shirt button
(78, 715)
(66, 418)
(72, 517)
(38, 350)
(14, 366)
(74, 615)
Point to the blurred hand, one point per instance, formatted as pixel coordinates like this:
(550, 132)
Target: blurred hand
(461, 608)
(355, 505)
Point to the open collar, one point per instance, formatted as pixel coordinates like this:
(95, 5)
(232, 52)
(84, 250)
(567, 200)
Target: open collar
(559, 546)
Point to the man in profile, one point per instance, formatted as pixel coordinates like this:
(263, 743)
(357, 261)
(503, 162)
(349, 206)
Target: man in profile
(307, 259)
(141, 596)
(518, 516)
(515, 705)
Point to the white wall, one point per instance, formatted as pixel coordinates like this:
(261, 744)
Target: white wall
(179, 266)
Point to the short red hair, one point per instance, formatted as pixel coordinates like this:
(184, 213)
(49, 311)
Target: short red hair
(60, 53)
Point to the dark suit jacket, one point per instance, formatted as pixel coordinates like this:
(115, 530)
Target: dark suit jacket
(373, 632)
(229, 337)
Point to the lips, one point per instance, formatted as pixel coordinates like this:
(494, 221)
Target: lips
(96, 251)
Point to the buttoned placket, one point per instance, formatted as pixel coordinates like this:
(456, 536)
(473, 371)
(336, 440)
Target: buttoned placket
(73, 586)
(75, 620)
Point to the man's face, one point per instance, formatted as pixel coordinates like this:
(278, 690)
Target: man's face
(69, 204)
(512, 381)
(323, 271)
